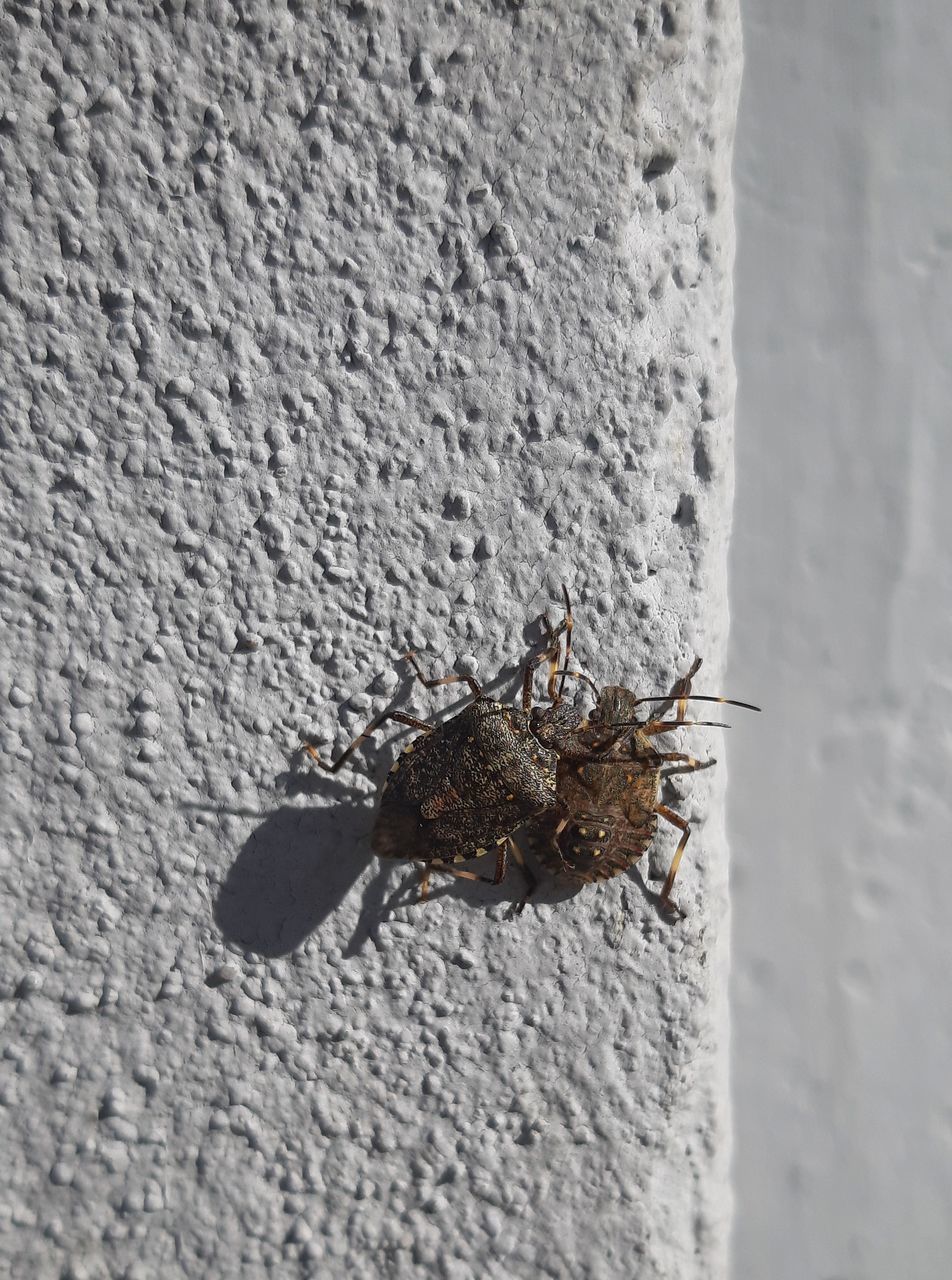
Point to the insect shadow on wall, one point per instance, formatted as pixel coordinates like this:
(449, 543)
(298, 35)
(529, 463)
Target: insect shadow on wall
(299, 864)
(291, 873)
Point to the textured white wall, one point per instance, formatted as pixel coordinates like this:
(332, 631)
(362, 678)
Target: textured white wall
(322, 329)
(840, 590)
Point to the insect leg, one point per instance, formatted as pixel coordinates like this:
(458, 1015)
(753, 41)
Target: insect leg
(680, 694)
(374, 725)
(433, 684)
(424, 882)
(501, 867)
(566, 626)
(528, 675)
(502, 862)
(682, 824)
(529, 878)
(666, 726)
(688, 763)
(529, 670)
(682, 689)
(550, 653)
(554, 839)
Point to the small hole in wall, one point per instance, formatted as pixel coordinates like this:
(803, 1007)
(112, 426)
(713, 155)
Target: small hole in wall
(659, 164)
(685, 512)
(702, 462)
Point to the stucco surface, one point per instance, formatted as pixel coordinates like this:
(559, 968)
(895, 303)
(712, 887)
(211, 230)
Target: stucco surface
(325, 330)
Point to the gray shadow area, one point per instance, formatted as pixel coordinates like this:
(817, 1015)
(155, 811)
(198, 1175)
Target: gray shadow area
(291, 873)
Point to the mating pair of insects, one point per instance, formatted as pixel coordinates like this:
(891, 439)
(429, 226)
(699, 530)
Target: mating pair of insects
(589, 784)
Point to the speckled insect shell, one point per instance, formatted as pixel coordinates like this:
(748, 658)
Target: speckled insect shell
(612, 816)
(462, 789)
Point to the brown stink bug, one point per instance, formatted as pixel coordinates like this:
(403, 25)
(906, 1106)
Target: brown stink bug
(608, 783)
(460, 789)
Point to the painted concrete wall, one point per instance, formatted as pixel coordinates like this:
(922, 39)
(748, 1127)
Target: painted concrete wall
(840, 594)
(326, 328)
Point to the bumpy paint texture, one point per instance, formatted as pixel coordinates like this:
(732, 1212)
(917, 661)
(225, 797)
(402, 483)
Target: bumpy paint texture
(325, 329)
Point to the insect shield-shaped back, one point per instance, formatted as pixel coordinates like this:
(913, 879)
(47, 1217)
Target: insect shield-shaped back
(608, 783)
(463, 788)
(607, 787)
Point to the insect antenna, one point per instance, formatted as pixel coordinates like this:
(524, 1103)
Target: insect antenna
(669, 724)
(698, 697)
(568, 636)
(579, 675)
(689, 724)
(728, 702)
(666, 697)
